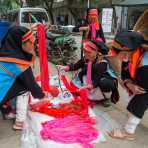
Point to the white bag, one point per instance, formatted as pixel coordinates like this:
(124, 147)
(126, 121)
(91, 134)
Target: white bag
(96, 94)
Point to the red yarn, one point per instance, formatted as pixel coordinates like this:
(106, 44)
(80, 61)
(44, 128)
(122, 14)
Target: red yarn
(54, 91)
(43, 58)
(38, 78)
(44, 63)
(79, 106)
(69, 86)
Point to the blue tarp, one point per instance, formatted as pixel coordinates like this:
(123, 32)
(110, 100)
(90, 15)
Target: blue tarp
(4, 26)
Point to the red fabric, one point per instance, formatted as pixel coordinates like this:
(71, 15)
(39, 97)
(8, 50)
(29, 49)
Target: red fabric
(54, 91)
(78, 106)
(136, 56)
(43, 58)
(38, 78)
(71, 88)
(74, 108)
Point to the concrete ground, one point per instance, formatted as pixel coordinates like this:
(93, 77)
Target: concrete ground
(108, 118)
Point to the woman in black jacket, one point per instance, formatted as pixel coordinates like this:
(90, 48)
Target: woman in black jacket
(95, 73)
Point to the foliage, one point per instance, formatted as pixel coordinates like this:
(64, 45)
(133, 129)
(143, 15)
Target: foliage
(47, 4)
(34, 3)
(6, 5)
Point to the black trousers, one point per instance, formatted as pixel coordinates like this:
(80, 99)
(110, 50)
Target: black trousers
(110, 85)
(107, 84)
(138, 105)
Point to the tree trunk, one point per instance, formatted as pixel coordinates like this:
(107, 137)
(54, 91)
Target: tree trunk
(74, 10)
(49, 9)
(114, 17)
(19, 2)
(75, 15)
(114, 20)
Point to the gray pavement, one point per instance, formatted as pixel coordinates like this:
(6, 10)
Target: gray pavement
(107, 119)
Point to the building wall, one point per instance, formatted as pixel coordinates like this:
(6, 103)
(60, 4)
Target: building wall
(133, 15)
(127, 16)
(118, 17)
(63, 11)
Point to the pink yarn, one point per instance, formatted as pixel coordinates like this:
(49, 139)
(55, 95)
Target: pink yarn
(89, 66)
(99, 40)
(71, 129)
(93, 31)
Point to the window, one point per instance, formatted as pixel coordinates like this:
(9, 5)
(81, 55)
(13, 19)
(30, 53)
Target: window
(13, 17)
(40, 16)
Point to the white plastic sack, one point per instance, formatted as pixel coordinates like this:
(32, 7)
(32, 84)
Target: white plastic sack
(31, 133)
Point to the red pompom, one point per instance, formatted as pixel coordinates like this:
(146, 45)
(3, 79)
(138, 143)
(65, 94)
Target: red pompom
(38, 78)
(54, 91)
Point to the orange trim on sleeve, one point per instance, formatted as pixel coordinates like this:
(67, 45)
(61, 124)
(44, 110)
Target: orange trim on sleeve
(135, 62)
(21, 63)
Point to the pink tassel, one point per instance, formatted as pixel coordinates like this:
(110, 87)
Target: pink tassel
(99, 40)
(93, 32)
(43, 58)
(89, 66)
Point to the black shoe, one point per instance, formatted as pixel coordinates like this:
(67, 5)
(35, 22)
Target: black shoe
(106, 103)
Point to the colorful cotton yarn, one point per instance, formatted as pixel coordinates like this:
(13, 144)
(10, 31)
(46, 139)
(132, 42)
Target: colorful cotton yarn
(43, 58)
(71, 129)
(78, 106)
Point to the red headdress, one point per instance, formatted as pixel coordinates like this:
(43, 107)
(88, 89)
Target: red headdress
(93, 15)
(27, 36)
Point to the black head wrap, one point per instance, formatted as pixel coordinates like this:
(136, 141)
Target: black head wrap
(12, 44)
(130, 40)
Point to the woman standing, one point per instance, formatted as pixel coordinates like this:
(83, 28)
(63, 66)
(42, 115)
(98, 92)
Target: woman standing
(92, 30)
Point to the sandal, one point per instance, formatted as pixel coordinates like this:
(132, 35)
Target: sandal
(121, 134)
(17, 126)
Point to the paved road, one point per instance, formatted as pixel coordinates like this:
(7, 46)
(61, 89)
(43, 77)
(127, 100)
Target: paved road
(108, 118)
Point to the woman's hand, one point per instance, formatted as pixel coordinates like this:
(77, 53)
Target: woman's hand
(135, 89)
(40, 103)
(61, 67)
(121, 82)
(89, 87)
(46, 94)
(86, 28)
(35, 26)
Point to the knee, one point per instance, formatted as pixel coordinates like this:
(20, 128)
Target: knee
(107, 85)
(138, 106)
